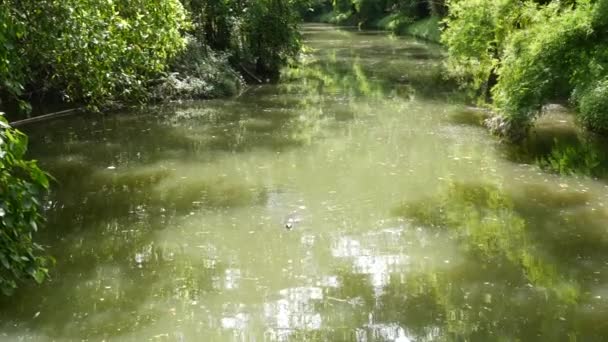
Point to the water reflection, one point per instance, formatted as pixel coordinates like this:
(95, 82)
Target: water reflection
(409, 224)
(518, 269)
(556, 145)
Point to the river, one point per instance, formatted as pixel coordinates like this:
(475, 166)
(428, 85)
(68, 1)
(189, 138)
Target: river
(409, 221)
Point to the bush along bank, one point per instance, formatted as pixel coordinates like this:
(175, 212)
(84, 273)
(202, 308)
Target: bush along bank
(99, 53)
(197, 73)
(511, 56)
(517, 56)
(22, 184)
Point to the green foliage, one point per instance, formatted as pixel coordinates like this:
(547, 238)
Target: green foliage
(260, 33)
(414, 9)
(342, 6)
(272, 35)
(593, 107)
(97, 51)
(570, 159)
(395, 22)
(215, 21)
(393, 15)
(198, 73)
(524, 54)
(12, 66)
(21, 184)
(537, 70)
(475, 37)
(427, 28)
(308, 9)
(89, 51)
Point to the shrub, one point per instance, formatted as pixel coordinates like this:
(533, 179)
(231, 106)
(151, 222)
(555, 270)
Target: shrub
(537, 70)
(593, 107)
(475, 36)
(90, 51)
(271, 35)
(526, 54)
(263, 33)
(21, 185)
(198, 73)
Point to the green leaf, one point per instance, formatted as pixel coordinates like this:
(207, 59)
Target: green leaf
(40, 275)
(4, 261)
(6, 287)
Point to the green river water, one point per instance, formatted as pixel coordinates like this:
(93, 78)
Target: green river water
(410, 222)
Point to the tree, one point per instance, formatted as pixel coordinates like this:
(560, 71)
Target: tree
(88, 51)
(263, 33)
(522, 54)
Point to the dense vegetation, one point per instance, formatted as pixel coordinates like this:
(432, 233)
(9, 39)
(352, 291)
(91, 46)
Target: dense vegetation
(523, 54)
(21, 183)
(98, 52)
(87, 51)
(514, 55)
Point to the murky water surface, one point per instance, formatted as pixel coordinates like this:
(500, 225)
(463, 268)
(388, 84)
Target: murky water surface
(408, 221)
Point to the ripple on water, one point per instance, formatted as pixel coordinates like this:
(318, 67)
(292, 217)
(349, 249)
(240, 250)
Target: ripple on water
(182, 238)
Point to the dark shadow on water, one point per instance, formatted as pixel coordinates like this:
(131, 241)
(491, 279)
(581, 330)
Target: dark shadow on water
(556, 222)
(563, 150)
(469, 117)
(111, 197)
(532, 261)
(93, 301)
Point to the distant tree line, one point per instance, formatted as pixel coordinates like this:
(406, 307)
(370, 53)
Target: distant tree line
(367, 13)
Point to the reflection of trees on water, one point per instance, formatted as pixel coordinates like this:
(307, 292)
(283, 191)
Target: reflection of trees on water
(356, 73)
(512, 275)
(503, 274)
(114, 280)
(557, 146)
(509, 283)
(511, 257)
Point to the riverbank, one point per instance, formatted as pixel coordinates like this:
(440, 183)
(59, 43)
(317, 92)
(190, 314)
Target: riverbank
(99, 55)
(198, 73)
(159, 219)
(426, 28)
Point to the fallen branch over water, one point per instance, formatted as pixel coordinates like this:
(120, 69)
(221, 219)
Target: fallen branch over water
(49, 116)
(250, 74)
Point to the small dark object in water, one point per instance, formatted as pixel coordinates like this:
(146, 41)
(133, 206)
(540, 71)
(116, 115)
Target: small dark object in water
(291, 220)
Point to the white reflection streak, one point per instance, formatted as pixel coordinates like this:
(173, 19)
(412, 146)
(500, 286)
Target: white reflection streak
(378, 267)
(295, 311)
(382, 332)
(237, 322)
(232, 278)
(346, 247)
